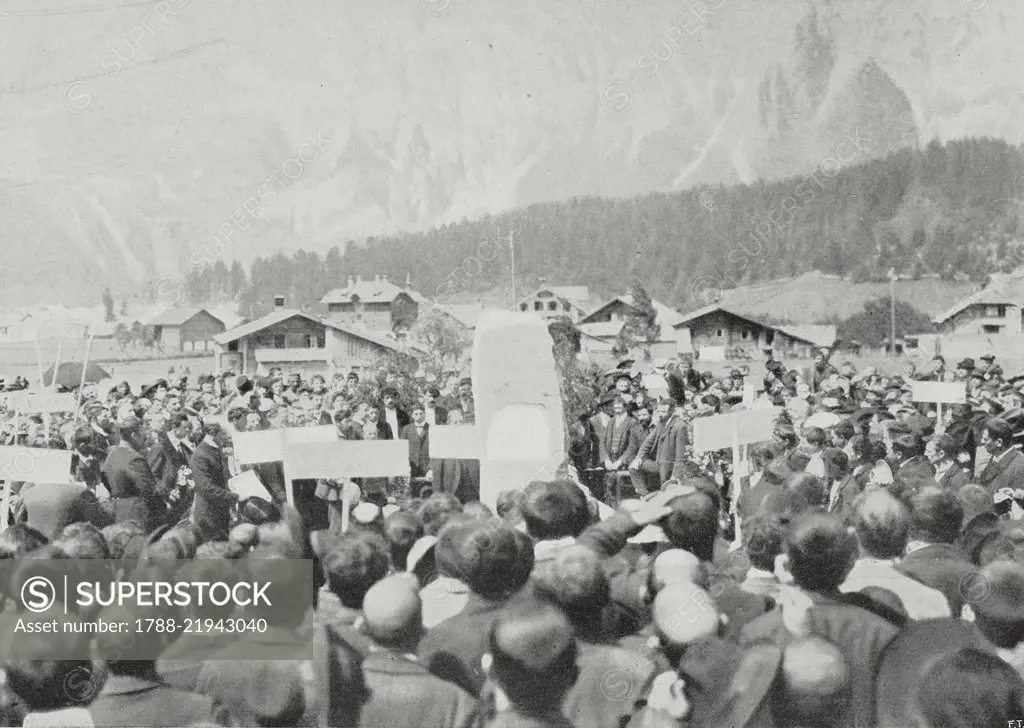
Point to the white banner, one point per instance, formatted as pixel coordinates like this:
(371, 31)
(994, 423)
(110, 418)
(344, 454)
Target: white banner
(720, 431)
(940, 392)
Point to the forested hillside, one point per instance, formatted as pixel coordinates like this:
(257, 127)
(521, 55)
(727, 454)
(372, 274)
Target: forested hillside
(948, 209)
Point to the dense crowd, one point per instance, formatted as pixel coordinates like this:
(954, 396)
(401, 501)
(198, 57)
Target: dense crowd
(860, 568)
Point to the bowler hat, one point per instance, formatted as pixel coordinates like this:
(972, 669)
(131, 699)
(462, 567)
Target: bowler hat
(988, 357)
(967, 364)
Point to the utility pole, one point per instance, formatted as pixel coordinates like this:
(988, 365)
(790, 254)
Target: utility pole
(512, 248)
(892, 312)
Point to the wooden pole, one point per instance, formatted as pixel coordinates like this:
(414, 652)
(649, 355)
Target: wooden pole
(56, 364)
(81, 384)
(939, 428)
(39, 362)
(735, 498)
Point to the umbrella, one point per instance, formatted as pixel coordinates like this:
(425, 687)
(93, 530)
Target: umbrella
(69, 375)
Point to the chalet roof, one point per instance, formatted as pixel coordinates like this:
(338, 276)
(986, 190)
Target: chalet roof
(666, 315)
(994, 296)
(178, 316)
(579, 296)
(283, 314)
(817, 334)
(793, 332)
(376, 290)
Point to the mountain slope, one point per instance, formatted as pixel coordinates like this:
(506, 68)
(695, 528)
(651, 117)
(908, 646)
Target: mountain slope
(125, 149)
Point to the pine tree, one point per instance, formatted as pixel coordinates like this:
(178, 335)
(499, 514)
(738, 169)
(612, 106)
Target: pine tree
(641, 327)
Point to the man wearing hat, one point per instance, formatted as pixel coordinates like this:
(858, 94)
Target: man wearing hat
(134, 490)
(911, 467)
(987, 362)
(964, 369)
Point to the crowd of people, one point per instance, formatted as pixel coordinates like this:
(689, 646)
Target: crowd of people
(860, 569)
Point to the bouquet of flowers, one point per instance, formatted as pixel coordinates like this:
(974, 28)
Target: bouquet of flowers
(184, 485)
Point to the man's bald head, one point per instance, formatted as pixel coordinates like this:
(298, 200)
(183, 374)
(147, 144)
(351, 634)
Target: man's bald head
(815, 684)
(675, 566)
(393, 612)
(684, 613)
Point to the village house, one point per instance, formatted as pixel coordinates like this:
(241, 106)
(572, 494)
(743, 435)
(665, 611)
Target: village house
(989, 313)
(302, 342)
(185, 329)
(376, 304)
(716, 332)
(601, 328)
(573, 302)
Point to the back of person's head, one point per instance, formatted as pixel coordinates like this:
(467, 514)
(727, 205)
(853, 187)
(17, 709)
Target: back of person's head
(821, 552)
(393, 612)
(837, 463)
(809, 487)
(125, 539)
(436, 510)
(507, 505)
(998, 603)
(863, 447)
(975, 500)
(44, 685)
(19, 539)
(554, 509)
(476, 509)
(882, 524)
(683, 614)
(225, 571)
(532, 656)
(674, 566)
(968, 689)
(935, 516)
(220, 550)
(763, 539)
(401, 530)
(83, 541)
(353, 562)
(814, 435)
(489, 557)
(289, 596)
(815, 684)
(692, 524)
(575, 581)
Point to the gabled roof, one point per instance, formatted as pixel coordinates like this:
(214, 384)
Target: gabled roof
(377, 290)
(666, 315)
(992, 296)
(817, 334)
(178, 316)
(579, 296)
(793, 332)
(283, 314)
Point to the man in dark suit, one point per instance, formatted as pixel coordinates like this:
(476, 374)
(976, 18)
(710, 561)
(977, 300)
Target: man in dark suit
(1006, 468)
(53, 506)
(941, 452)
(621, 442)
(436, 414)
(134, 490)
(662, 455)
(390, 413)
(418, 436)
(167, 456)
(213, 499)
(375, 421)
(936, 517)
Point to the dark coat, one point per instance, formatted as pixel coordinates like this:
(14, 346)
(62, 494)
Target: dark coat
(954, 479)
(419, 450)
(916, 473)
(133, 487)
(457, 477)
(942, 567)
(401, 415)
(129, 701)
(165, 460)
(847, 491)
(440, 415)
(1007, 473)
(403, 694)
(452, 650)
(667, 445)
(53, 506)
(629, 443)
(860, 636)
(213, 499)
